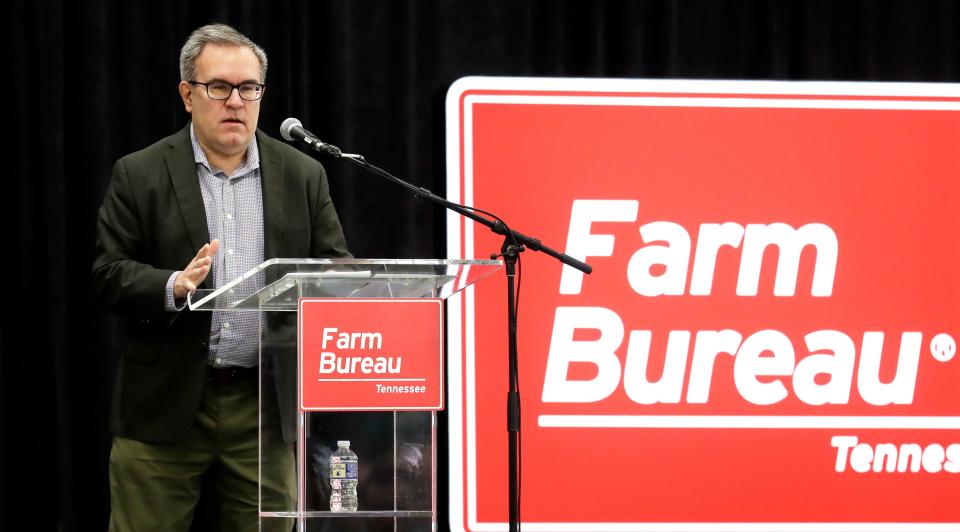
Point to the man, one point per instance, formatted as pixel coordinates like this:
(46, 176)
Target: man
(197, 209)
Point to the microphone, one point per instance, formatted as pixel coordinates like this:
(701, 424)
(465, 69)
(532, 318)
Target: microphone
(291, 129)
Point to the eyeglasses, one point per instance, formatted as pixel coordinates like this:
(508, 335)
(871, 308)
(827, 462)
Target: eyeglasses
(219, 90)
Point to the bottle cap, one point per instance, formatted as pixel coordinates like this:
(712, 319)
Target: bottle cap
(343, 443)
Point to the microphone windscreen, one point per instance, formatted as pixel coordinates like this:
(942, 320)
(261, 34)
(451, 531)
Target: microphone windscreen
(287, 126)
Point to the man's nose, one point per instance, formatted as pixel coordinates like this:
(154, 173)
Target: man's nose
(234, 99)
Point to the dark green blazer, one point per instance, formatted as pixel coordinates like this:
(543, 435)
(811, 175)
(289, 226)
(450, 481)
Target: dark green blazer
(151, 223)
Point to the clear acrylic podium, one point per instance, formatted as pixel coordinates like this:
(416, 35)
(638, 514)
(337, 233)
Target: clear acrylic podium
(398, 479)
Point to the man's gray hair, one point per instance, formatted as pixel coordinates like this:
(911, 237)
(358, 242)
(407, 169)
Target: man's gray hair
(216, 34)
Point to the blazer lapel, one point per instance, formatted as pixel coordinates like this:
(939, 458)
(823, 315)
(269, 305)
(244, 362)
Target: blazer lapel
(186, 187)
(271, 185)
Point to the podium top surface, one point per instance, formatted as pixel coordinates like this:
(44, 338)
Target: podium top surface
(278, 284)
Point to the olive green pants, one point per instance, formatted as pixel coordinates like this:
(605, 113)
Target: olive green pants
(155, 487)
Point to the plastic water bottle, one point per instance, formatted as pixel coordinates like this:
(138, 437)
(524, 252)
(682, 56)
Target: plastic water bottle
(344, 469)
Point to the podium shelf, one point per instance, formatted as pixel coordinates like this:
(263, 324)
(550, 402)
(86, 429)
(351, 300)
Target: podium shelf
(278, 284)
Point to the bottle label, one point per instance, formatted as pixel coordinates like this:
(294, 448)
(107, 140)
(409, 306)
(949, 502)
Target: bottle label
(352, 470)
(348, 470)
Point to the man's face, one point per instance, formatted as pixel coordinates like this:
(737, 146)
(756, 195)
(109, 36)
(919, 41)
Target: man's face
(224, 126)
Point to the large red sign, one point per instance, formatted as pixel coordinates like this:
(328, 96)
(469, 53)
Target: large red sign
(371, 354)
(768, 339)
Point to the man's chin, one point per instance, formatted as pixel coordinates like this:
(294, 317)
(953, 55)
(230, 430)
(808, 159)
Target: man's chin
(234, 139)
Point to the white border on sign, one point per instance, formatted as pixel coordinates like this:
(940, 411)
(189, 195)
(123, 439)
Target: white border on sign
(304, 301)
(460, 245)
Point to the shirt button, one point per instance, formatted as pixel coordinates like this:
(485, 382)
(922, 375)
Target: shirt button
(226, 325)
(231, 290)
(229, 216)
(218, 360)
(229, 252)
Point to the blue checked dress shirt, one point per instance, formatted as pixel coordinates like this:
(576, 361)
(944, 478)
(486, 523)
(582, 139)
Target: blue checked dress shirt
(234, 208)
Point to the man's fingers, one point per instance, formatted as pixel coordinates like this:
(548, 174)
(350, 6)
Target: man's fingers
(207, 250)
(202, 252)
(197, 270)
(212, 247)
(200, 262)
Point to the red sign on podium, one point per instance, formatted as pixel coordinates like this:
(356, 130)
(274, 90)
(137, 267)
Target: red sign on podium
(371, 354)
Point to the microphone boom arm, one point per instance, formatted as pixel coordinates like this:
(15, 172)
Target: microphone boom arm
(496, 227)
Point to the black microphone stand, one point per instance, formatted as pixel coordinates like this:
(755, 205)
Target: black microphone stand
(514, 243)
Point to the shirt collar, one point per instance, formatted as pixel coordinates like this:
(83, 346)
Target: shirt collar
(251, 160)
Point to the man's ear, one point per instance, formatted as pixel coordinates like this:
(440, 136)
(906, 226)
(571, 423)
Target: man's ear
(185, 91)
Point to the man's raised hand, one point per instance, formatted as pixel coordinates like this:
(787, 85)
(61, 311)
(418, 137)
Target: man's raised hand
(196, 271)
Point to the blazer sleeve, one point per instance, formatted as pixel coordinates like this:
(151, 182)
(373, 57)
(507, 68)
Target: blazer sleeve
(121, 281)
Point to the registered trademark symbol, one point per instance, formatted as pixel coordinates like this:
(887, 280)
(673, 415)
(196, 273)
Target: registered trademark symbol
(943, 347)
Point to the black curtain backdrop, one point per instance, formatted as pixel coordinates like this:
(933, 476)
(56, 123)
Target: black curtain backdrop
(95, 80)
